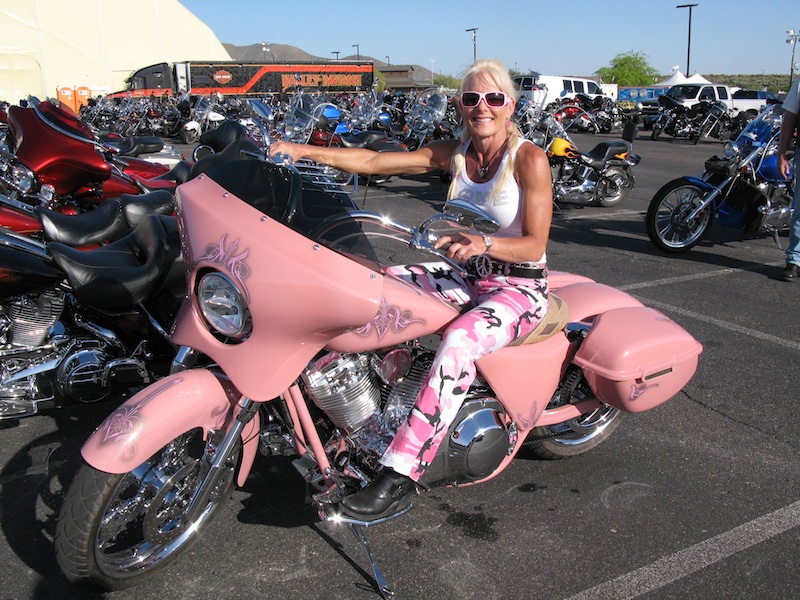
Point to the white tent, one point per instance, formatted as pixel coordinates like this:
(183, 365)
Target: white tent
(51, 44)
(697, 79)
(676, 78)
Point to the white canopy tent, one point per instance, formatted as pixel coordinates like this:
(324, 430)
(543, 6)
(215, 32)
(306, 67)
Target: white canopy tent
(676, 78)
(697, 79)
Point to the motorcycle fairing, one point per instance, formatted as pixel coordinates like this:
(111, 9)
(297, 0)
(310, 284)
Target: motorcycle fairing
(61, 161)
(300, 293)
(142, 425)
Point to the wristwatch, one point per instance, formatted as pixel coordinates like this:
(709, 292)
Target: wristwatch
(488, 243)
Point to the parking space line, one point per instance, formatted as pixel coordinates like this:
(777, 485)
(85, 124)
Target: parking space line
(695, 558)
(670, 280)
(754, 333)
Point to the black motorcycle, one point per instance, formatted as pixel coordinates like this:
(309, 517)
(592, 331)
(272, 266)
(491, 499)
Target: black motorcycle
(677, 120)
(80, 326)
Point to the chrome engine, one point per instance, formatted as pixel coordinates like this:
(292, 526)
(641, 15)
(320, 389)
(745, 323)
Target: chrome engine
(369, 396)
(574, 183)
(43, 363)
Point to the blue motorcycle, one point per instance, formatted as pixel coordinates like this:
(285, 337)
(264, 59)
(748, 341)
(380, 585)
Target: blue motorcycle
(744, 190)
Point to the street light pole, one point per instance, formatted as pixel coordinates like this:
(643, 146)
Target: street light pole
(792, 39)
(433, 60)
(388, 62)
(358, 51)
(336, 52)
(689, 43)
(474, 31)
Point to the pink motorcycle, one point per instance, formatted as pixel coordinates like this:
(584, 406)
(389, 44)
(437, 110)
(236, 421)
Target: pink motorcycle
(317, 350)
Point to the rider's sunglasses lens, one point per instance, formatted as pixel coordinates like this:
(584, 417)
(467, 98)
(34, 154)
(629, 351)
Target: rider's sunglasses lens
(493, 99)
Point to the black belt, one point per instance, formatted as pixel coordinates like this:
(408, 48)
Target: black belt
(495, 267)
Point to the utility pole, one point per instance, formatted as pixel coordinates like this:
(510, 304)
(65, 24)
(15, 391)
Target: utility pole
(474, 31)
(689, 44)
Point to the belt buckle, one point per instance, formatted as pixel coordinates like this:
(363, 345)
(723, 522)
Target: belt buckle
(483, 265)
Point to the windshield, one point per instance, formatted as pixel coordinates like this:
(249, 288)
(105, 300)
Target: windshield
(683, 92)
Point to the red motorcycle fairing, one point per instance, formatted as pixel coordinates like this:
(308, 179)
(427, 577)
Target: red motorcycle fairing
(142, 425)
(64, 162)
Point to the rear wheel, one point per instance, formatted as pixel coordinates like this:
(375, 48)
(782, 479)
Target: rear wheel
(668, 221)
(575, 436)
(115, 531)
(614, 187)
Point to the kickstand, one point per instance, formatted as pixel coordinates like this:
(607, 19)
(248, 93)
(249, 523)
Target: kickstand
(777, 236)
(383, 587)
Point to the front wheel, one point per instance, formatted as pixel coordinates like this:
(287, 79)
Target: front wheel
(656, 132)
(668, 224)
(189, 136)
(115, 531)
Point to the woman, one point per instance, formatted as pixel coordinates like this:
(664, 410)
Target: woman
(509, 177)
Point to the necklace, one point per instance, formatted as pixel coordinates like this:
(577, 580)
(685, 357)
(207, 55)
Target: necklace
(483, 170)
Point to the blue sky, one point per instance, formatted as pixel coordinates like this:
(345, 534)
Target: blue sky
(554, 38)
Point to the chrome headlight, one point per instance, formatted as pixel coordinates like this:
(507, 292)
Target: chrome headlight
(223, 306)
(22, 178)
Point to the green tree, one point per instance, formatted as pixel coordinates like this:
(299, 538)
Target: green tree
(447, 81)
(630, 68)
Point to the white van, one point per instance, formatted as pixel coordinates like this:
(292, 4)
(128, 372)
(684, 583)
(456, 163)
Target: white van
(552, 87)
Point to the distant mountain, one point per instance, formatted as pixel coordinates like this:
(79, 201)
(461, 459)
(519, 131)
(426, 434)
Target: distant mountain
(286, 53)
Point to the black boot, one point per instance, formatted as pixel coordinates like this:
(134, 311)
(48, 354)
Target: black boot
(389, 493)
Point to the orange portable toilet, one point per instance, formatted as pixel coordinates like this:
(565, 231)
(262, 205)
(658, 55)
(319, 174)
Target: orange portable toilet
(82, 95)
(67, 97)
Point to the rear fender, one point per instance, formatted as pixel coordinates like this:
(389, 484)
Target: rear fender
(161, 412)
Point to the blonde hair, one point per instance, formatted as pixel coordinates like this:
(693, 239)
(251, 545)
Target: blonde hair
(497, 73)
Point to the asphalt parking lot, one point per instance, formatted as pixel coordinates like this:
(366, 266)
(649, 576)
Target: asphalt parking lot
(698, 498)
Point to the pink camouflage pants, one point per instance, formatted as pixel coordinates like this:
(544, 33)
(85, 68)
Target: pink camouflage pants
(507, 308)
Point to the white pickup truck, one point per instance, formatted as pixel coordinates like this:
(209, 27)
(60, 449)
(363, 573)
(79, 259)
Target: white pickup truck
(752, 101)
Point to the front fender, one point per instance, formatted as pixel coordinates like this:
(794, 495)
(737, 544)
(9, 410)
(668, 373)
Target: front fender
(140, 427)
(707, 187)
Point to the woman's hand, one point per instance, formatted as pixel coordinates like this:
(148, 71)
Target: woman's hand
(295, 151)
(462, 246)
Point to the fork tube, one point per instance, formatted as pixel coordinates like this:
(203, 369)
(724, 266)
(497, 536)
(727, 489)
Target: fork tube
(707, 200)
(307, 423)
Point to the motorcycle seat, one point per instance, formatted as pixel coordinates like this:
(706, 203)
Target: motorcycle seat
(223, 135)
(603, 152)
(231, 152)
(362, 139)
(125, 272)
(106, 223)
(138, 144)
(555, 320)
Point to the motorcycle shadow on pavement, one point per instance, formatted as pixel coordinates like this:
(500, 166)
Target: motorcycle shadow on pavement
(32, 486)
(630, 236)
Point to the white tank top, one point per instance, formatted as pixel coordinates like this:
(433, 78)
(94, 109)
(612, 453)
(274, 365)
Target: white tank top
(505, 206)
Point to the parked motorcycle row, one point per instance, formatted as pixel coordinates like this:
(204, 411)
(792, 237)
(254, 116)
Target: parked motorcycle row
(125, 284)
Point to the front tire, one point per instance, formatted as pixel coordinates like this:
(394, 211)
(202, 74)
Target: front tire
(189, 136)
(666, 220)
(115, 531)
